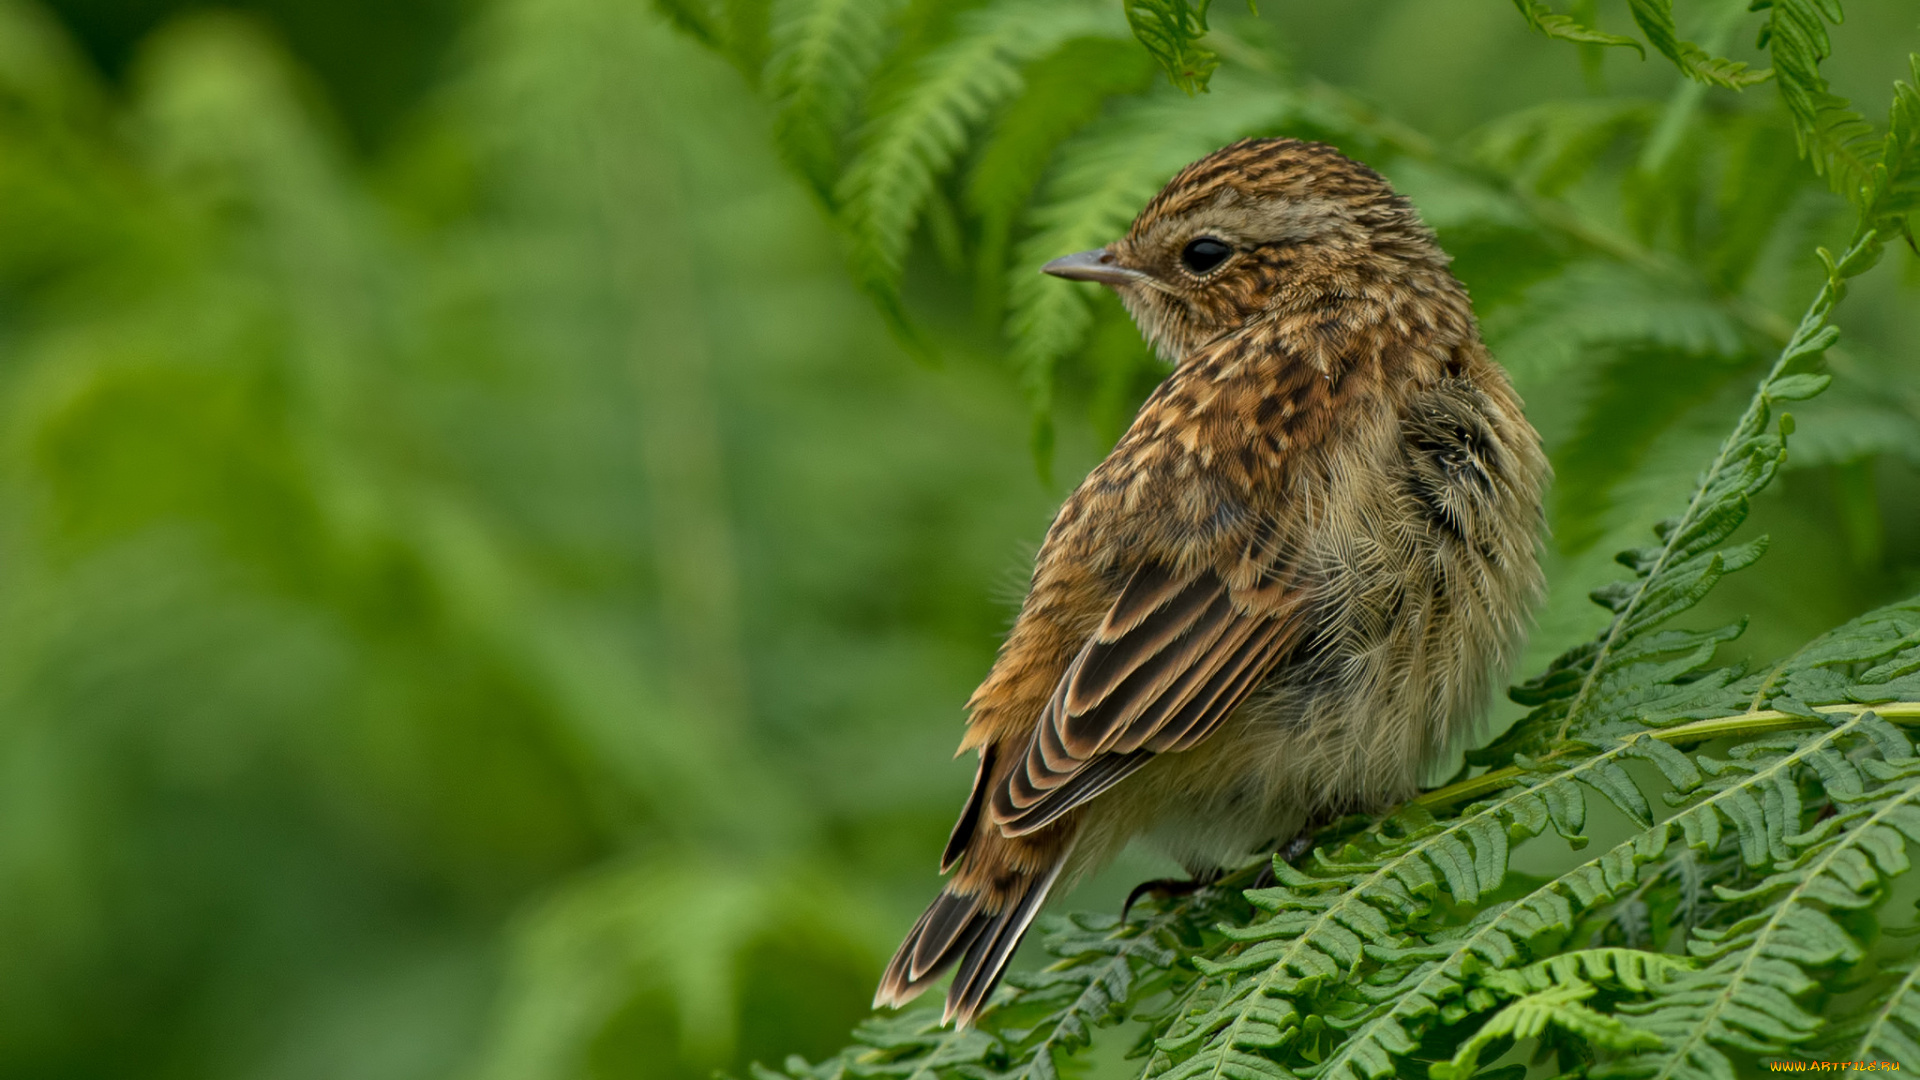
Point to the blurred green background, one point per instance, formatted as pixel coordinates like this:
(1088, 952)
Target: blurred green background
(484, 596)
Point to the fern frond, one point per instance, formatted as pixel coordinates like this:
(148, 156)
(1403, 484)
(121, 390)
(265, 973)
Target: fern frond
(822, 53)
(1893, 187)
(1562, 1005)
(1655, 18)
(1676, 574)
(912, 1045)
(1106, 969)
(1593, 303)
(1322, 927)
(1409, 998)
(1171, 31)
(1836, 139)
(913, 139)
(1566, 28)
(1418, 983)
(1631, 969)
(1065, 92)
(1892, 1031)
(1856, 420)
(1546, 147)
(1747, 998)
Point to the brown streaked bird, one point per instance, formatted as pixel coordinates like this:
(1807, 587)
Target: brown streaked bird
(1289, 587)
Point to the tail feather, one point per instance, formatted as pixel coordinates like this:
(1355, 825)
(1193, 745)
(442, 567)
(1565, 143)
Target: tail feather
(987, 959)
(949, 920)
(958, 928)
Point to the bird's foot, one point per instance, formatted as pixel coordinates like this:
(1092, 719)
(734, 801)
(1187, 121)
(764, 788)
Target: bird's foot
(1290, 853)
(1296, 849)
(1167, 889)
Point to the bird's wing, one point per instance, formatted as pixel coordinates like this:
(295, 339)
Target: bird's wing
(1174, 657)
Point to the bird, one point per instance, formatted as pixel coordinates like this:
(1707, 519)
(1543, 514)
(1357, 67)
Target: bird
(1288, 589)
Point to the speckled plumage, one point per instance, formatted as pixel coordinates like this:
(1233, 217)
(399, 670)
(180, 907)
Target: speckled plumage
(1288, 587)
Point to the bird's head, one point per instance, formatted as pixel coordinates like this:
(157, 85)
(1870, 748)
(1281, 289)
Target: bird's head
(1239, 231)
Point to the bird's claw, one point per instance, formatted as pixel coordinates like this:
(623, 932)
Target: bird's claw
(1296, 849)
(1166, 889)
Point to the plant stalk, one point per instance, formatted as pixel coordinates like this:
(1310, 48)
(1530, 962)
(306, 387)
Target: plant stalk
(1757, 722)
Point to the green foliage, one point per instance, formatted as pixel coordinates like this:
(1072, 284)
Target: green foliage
(1171, 31)
(1411, 939)
(1567, 28)
(822, 53)
(1554, 992)
(914, 141)
(1597, 678)
(1655, 19)
(487, 597)
(1105, 970)
(1834, 137)
(1886, 1033)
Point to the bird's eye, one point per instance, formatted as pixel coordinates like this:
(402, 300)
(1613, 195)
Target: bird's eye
(1204, 254)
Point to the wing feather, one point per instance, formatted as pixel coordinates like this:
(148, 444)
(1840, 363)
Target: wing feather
(1174, 657)
(1230, 685)
(1100, 774)
(970, 814)
(1107, 662)
(1192, 680)
(1098, 712)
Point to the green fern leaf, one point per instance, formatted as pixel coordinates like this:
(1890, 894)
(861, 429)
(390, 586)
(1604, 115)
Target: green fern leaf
(1679, 572)
(822, 53)
(1566, 28)
(1545, 148)
(914, 138)
(1561, 1005)
(1836, 139)
(1106, 968)
(1594, 304)
(1415, 996)
(1655, 18)
(1746, 999)
(1891, 1032)
(1423, 981)
(1065, 92)
(1171, 31)
(1893, 187)
(1322, 927)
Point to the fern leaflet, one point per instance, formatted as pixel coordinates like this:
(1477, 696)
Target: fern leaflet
(1836, 139)
(913, 140)
(1171, 31)
(1655, 18)
(1746, 998)
(1567, 28)
(823, 51)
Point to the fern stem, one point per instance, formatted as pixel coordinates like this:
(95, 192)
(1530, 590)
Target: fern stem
(1747, 723)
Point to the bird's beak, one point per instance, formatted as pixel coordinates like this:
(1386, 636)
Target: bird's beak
(1096, 265)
